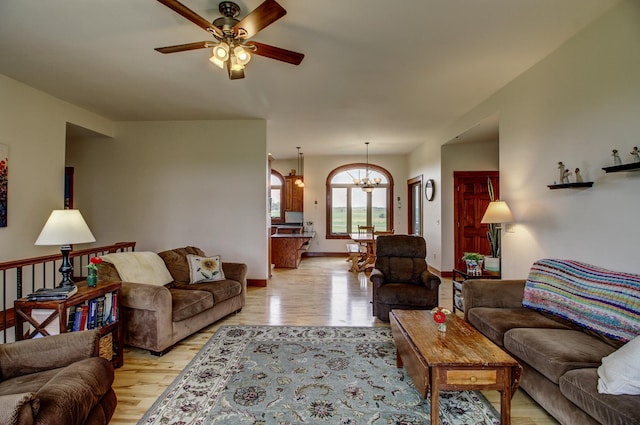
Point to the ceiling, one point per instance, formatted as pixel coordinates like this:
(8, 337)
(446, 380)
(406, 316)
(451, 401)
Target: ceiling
(391, 73)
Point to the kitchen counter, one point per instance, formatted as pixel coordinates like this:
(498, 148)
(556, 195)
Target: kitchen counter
(287, 248)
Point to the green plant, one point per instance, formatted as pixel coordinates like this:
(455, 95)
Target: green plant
(473, 256)
(492, 234)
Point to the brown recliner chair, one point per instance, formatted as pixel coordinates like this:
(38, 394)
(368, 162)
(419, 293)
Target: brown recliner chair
(400, 278)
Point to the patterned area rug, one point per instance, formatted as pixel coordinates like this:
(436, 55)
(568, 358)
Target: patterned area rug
(264, 375)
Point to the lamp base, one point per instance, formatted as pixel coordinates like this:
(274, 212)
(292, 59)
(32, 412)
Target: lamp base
(66, 269)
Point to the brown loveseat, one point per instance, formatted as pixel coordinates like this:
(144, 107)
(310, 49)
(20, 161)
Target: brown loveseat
(56, 380)
(560, 323)
(155, 317)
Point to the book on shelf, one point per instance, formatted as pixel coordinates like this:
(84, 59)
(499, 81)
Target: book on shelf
(107, 308)
(71, 318)
(47, 294)
(100, 312)
(78, 319)
(92, 311)
(84, 312)
(114, 307)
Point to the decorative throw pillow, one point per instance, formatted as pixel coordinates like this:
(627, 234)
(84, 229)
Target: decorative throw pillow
(620, 370)
(205, 269)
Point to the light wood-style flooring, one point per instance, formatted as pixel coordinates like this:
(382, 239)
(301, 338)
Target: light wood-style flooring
(321, 292)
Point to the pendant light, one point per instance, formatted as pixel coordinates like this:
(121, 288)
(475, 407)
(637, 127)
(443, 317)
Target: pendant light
(299, 181)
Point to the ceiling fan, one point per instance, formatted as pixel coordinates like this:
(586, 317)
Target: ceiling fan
(230, 47)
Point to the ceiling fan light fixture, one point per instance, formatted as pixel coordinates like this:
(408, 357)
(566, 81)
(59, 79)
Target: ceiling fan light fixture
(217, 62)
(242, 55)
(235, 65)
(221, 51)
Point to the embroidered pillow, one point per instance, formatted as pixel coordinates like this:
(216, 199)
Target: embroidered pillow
(205, 269)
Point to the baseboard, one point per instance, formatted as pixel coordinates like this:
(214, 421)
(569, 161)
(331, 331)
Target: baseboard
(325, 254)
(257, 282)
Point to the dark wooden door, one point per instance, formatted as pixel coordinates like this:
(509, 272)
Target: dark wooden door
(414, 189)
(471, 199)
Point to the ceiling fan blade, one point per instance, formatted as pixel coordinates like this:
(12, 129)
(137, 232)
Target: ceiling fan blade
(276, 53)
(184, 47)
(261, 17)
(184, 11)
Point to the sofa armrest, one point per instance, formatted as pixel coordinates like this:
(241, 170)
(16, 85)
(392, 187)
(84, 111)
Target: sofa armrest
(235, 271)
(492, 293)
(430, 280)
(18, 408)
(36, 355)
(377, 278)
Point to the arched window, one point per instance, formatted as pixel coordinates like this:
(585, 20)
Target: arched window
(276, 197)
(349, 206)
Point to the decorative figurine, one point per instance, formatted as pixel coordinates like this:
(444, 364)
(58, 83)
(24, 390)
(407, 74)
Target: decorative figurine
(565, 177)
(616, 157)
(635, 153)
(561, 169)
(578, 176)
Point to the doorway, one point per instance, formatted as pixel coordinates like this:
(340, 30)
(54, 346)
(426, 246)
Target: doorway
(471, 198)
(414, 189)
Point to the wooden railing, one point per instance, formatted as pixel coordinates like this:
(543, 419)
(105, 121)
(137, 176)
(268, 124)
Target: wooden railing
(21, 277)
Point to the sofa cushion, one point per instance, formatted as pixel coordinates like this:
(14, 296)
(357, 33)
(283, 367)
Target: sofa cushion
(204, 269)
(604, 301)
(553, 352)
(176, 262)
(494, 322)
(187, 303)
(620, 371)
(580, 386)
(220, 290)
(19, 408)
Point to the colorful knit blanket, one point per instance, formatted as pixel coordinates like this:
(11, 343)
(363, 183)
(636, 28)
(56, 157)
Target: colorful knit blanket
(601, 300)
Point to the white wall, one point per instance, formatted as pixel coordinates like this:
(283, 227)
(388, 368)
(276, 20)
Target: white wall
(33, 124)
(574, 106)
(317, 168)
(177, 183)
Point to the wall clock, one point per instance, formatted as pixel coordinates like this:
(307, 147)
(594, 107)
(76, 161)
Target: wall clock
(429, 189)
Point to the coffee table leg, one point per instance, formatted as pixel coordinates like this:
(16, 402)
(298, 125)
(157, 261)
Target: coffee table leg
(398, 359)
(505, 399)
(435, 396)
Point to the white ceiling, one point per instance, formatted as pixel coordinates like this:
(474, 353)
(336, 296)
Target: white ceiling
(389, 72)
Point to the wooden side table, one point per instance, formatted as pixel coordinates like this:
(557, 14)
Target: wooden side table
(459, 276)
(58, 311)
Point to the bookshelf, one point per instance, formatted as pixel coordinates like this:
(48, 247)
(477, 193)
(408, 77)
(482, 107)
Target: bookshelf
(44, 318)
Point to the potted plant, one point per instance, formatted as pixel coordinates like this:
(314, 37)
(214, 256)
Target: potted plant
(492, 263)
(474, 262)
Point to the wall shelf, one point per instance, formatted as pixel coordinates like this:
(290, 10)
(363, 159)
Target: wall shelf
(570, 185)
(624, 167)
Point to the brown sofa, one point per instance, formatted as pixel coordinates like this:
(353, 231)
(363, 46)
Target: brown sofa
(560, 356)
(157, 317)
(56, 380)
(401, 279)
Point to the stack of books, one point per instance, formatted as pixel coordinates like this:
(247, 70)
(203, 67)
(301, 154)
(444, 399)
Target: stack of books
(48, 294)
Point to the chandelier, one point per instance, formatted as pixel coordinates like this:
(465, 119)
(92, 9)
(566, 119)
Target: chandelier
(367, 184)
(299, 181)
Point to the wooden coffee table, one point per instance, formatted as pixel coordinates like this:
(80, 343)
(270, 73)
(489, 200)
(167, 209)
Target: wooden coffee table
(459, 359)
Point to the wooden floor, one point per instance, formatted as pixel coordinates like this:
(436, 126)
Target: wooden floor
(321, 292)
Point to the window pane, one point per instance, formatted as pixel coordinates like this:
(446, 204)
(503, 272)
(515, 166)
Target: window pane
(358, 208)
(379, 208)
(338, 210)
(275, 180)
(275, 203)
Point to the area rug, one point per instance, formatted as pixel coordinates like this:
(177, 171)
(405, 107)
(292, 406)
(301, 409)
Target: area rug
(285, 375)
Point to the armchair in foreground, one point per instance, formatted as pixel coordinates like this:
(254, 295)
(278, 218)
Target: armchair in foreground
(400, 278)
(58, 379)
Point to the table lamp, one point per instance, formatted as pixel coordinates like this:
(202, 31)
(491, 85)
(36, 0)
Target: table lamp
(65, 227)
(497, 213)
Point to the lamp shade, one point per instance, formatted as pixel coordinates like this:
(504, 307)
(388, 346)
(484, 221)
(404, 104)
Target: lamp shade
(65, 227)
(497, 212)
